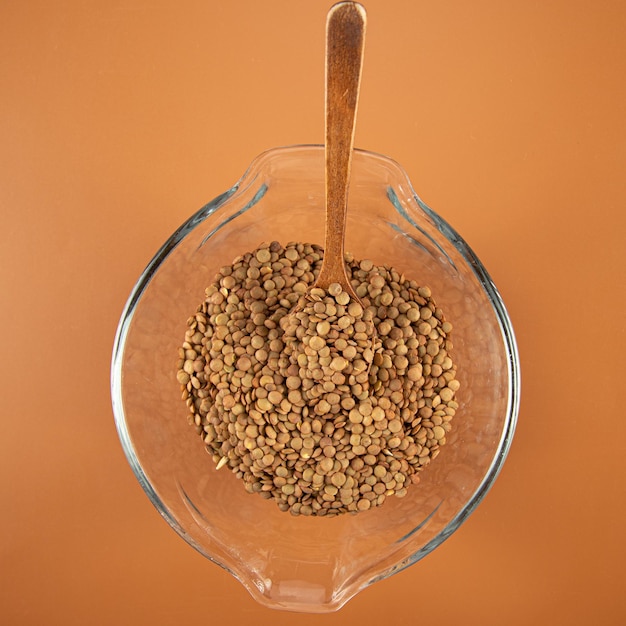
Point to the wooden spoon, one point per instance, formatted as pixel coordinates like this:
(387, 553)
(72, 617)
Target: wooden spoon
(345, 38)
(345, 42)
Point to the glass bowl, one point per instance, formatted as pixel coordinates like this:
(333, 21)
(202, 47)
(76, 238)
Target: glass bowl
(312, 564)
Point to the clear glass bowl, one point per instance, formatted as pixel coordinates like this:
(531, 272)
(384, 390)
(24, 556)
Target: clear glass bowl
(312, 564)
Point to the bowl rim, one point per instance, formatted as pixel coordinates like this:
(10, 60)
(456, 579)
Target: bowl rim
(481, 274)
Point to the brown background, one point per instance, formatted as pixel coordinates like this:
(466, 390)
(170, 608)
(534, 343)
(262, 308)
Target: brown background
(120, 118)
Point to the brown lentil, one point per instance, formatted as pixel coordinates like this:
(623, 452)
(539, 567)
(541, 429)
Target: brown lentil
(319, 402)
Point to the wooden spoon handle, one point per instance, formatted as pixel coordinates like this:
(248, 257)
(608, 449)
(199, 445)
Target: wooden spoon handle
(345, 41)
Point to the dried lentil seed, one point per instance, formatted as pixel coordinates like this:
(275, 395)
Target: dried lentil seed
(368, 405)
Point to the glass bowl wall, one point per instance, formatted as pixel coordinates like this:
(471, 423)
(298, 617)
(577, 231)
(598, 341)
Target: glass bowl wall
(299, 563)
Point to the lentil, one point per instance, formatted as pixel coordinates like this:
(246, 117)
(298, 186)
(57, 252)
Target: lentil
(324, 404)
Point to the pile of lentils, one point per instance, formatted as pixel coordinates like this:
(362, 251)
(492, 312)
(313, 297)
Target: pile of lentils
(323, 403)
